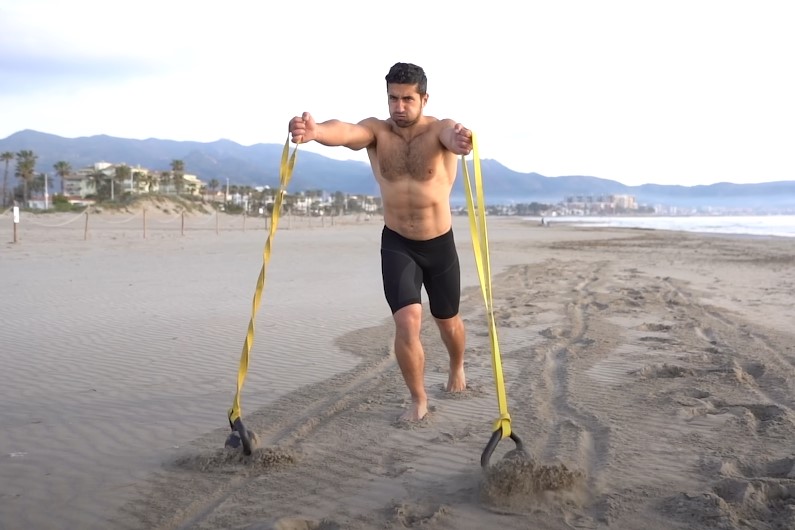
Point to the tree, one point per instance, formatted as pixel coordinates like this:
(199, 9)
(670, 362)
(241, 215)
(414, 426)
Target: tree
(98, 178)
(165, 180)
(212, 186)
(25, 171)
(137, 178)
(63, 170)
(339, 202)
(38, 183)
(178, 172)
(150, 179)
(6, 157)
(121, 173)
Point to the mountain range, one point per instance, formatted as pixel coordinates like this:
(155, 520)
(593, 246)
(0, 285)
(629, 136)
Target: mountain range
(258, 165)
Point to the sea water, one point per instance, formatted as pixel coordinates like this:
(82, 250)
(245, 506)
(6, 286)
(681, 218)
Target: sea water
(757, 225)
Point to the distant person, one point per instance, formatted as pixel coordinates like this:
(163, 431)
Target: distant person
(414, 161)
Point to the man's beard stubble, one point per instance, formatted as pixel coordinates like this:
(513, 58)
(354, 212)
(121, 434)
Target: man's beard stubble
(403, 123)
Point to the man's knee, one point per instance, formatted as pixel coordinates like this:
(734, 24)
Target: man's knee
(408, 319)
(450, 325)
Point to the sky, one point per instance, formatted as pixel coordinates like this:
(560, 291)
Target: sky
(667, 92)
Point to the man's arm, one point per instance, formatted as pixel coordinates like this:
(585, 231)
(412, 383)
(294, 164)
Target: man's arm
(455, 137)
(332, 132)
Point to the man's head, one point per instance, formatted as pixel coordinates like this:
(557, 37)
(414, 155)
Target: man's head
(408, 74)
(406, 87)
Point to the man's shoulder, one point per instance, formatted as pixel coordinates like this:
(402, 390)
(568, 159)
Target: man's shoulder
(374, 123)
(445, 122)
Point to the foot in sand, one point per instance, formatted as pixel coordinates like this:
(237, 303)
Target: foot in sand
(456, 381)
(415, 412)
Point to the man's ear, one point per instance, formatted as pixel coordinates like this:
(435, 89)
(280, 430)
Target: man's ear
(425, 99)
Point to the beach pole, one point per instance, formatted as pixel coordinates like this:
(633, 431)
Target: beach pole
(16, 222)
(182, 226)
(85, 228)
(216, 222)
(144, 223)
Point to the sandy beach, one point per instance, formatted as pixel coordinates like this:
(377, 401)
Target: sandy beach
(650, 375)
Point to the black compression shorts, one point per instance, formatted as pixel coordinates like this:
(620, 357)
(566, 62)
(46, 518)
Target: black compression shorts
(407, 264)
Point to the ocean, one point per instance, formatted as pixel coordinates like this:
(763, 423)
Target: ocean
(755, 225)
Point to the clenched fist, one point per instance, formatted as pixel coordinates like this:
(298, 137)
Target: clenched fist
(302, 128)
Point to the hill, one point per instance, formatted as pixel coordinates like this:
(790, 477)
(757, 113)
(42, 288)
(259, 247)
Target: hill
(257, 165)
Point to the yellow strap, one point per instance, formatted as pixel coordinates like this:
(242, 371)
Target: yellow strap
(285, 174)
(480, 244)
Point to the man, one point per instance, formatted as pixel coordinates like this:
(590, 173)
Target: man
(414, 160)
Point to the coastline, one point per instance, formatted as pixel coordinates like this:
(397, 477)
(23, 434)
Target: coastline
(779, 225)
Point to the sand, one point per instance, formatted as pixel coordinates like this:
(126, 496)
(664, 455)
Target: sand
(649, 374)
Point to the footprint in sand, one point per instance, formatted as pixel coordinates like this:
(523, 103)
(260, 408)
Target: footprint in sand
(762, 497)
(664, 371)
(296, 523)
(471, 391)
(655, 327)
(415, 515)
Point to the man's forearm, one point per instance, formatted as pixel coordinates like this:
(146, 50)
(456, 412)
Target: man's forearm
(328, 133)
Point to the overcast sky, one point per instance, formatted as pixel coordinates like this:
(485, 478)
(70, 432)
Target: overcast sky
(669, 92)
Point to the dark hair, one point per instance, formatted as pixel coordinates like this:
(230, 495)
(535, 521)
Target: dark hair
(408, 74)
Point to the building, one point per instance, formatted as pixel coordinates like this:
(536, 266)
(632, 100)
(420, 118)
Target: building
(117, 179)
(599, 204)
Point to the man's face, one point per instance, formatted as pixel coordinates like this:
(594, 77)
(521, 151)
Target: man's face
(405, 104)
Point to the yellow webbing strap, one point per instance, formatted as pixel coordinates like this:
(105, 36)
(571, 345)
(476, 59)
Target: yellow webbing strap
(480, 244)
(285, 174)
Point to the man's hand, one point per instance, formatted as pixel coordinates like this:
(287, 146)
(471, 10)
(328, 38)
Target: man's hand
(303, 129)
(461, 140)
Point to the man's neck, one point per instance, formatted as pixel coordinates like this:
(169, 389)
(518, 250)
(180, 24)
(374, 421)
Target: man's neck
(410, 132)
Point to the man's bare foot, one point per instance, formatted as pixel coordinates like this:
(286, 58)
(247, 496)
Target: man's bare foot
(415, 412)
(456, 381)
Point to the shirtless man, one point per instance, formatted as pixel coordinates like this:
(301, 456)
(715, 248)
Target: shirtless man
(414, 160)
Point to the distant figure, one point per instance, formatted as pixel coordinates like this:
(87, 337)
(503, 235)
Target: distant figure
(413, 158)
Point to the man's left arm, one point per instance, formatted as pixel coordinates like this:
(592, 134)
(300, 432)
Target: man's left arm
(455, 137)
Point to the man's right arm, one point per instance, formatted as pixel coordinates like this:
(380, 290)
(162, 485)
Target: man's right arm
(333, 132)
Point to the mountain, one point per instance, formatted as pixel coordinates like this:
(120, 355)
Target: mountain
(258, 165)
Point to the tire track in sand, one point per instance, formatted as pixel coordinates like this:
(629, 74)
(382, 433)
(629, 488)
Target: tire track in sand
(217, 475)
(562, 429)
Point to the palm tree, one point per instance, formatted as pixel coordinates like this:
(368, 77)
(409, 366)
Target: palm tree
(178, 172)
(137, 178)
(121, 174)
(339, 202)
(6, 157)
(25, 171)
(40, 183)
(150, 179)
(213, 185)
(165, 178)
(98, 178)
(62, 169)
